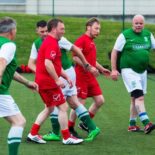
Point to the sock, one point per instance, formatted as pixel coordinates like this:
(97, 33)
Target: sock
(144, 118)
(65, 134)
(35, 129)
(55, 122)
(71, 124)
(91, 114)
(132, 121)
(14, 139)
(84, 116)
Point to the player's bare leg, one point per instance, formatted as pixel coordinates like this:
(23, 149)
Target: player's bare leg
(15, 134)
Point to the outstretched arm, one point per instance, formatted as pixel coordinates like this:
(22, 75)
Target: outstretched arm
(80, 55)
(88, 67)
(103, 70)
(30, 84)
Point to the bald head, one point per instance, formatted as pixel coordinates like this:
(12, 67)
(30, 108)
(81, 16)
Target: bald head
(138, 23)
(138, 17)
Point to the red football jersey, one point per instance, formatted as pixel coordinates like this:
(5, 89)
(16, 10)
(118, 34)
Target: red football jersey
(48, 50)
(88, 47)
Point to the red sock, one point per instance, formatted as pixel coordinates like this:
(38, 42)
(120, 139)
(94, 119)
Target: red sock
(91, 114)
(65, 134)
(71, 124)
(35, 128)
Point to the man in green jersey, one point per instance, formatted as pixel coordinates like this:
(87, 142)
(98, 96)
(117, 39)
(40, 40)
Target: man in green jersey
(41, 29)
(8, 108)
(134, 45)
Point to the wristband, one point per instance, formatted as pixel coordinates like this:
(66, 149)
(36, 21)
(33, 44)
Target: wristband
(86, 66)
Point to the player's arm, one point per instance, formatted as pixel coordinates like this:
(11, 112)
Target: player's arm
(3, 64)
(114, 72)
(32, 64)
(52, 72)
(67, 45)
(119, 44)
(33, 58)
(65, 76)
(152, 42)
(88, 67)
(77, 51)
(6, 55)
(102, 70)
(30, 84)
(77, 60)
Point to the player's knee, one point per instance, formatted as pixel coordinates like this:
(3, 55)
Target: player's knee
(24, 122)
(100, 101)
(63, 107)
(20, 122)
(137, 94)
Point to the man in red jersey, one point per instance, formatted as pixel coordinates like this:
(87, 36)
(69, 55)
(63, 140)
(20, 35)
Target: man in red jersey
(48, 71)
(86, 82)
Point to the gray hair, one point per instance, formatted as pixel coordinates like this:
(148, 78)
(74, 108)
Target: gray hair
(7, 24)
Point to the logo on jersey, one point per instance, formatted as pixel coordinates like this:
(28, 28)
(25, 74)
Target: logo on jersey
(56, 97)
(140, 46)
(146, 39)
(53, 54)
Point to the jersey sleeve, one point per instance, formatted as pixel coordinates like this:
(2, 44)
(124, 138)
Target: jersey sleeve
(120, 42)
(7, 51)
(34, 52)
(152, 41)
(65, 44)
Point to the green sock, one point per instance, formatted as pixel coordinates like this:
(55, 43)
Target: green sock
(132, 122)
(145, 122)
(88, 122)
(55, 126)
(14, 139)
(13, 148)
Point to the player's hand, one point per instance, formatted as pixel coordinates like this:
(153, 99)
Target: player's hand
(114, 75)
(60, 83)
(94, 71)
(32, 85)
(70, 83)
(105, 72)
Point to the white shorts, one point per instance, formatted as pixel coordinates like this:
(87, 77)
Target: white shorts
(67, 91)
(133, 80)
(8, 107)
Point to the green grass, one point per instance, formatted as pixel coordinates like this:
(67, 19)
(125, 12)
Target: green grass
(74, 28)
(112, 119)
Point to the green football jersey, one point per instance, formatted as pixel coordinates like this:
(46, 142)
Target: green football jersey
(135, 53)
(66, 62)
(9, 71)
(38, 43)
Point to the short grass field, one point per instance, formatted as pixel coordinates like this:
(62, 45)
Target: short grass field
(112, 119)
